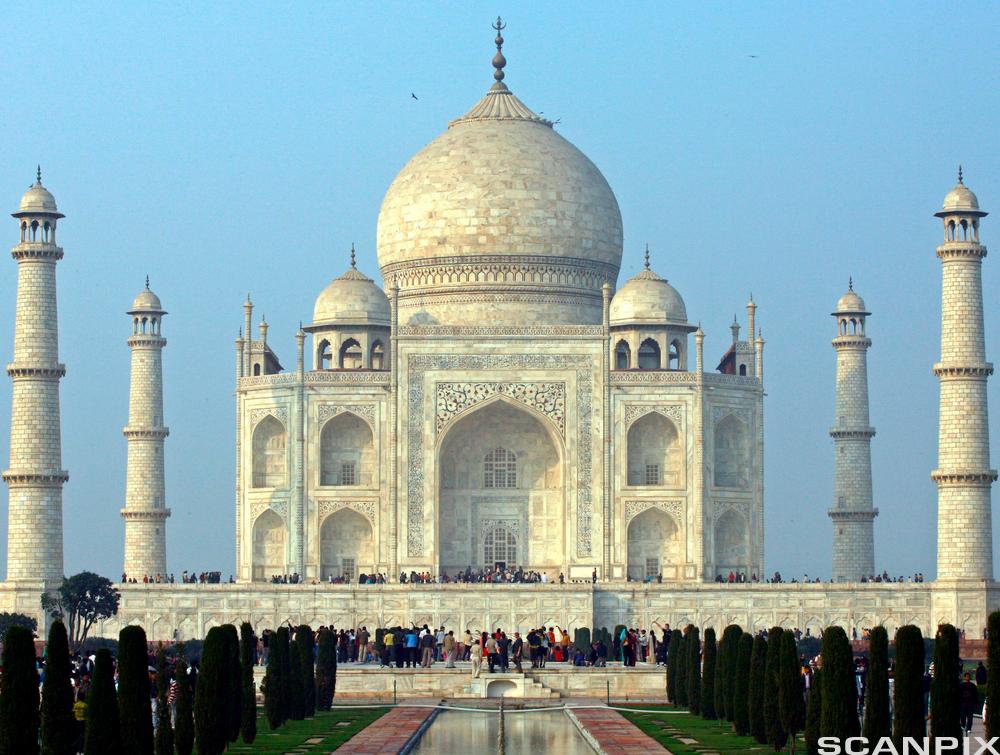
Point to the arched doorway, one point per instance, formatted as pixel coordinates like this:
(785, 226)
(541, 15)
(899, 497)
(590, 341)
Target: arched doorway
(346, 545)
(731, 544)
(654, 453)
(653, 545)
(501, 496)
(732, 453)
(346, 452)
(268, 547)
(269, 455)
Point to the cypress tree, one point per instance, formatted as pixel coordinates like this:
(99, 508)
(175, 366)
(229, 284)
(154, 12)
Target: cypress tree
(673, 656)
(741, 685)
(682, 657)
(233, 684)
(720, 677)
(58, 723)
(945, 719)
(708, 711)
(284, 640)
(248, 717)
(732, 668)
(774, 731)
(273, 684)
(814, 714)
(307, 641)
(19, 694)
(694, 671)
(295, 688)
(993, 674)
(183, 707)
(755, 693)
(134, 710)
(163, 743)
(103, 735)
(211, 708)
(877, 723)
(908, 688)
(840, 691)
(790, 701)
(326, 660)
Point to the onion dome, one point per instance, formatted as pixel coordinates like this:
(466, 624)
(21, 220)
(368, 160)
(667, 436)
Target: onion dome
(960, 200)
(647, 299)
(38, 200)
(850, 303)
(146, 301)
(499, 219)
(353, 298)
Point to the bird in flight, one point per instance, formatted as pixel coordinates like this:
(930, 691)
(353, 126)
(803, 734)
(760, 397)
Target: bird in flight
(413, 96)
(751, 56)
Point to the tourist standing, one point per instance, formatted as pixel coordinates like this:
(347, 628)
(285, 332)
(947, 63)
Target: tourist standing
(517, 647)
(427, 643)
(503, 644)
(448, 648)
(968, 700)
(491, 652)
(411, 647)
(476, 655)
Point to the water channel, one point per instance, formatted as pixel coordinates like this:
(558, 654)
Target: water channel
(472, 733)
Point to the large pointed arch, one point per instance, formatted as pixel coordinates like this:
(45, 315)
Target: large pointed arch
(347, 545)
(270, 541)
(347, 452)
(269, 466)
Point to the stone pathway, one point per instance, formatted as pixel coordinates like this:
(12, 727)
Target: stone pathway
(387, 735)
(614, 734)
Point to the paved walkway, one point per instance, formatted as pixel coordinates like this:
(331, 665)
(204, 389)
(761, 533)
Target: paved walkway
(389, 733)
(614, 734)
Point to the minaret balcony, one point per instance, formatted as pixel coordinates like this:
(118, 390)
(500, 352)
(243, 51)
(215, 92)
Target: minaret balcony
(964, 477)
(22, 370)
(852, 342)
(846, 515)
(24, 477)
(961, 249)
(852, 433)
(974, 370)
(36, 250)
(145, 433)
(145, 515)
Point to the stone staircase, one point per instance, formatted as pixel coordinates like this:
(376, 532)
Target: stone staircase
(506, 685)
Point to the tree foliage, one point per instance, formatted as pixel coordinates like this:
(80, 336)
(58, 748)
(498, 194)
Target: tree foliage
(682, 658)
(275, 706)
(306, 640)
(877, 723)
(135, 714)
(673, 657)
(814, 714)
(774, 732)
(755, 693)
(908, 704)
(58, 723)
(694, 671)
(725, 675)
(708, 664)
(81, 601)
(790, 700)
(326, 668)
(163, 743)
(840, 692)
(233, 684)
(211, 708)
(248, 649)
(741, 685)
(945, 710)
(103, 730)
(183, 707)
(993, 674)
(296, 703)
(19, 694)
(8, 620)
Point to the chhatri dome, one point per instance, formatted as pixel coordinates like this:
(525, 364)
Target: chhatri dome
(850, 302)
(38, 200)
(352, 298)
(499, 220)
(146, 301)
(647, 298)
(961, 199)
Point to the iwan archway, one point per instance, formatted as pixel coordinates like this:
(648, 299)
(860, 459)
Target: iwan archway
(500, 490)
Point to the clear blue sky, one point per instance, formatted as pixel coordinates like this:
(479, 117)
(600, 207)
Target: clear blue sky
(232, 147)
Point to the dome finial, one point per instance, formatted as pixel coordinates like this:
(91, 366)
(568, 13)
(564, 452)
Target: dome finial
(499, 61)
(354, 264)
(38, 175)
(147, 283)
(960, 174)
(850, 283)
(647, 257)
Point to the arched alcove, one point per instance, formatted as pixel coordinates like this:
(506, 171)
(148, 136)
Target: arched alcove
(623, 355)
(268, 546)
(346, 452)
(732, 453)
(653, 544)
(351, 355)
(649, 355)
(500, 442)
(732, 543)
(655, 457)
(347, 546)
(269, 468)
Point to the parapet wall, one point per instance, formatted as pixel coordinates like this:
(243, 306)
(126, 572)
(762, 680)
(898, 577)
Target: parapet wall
(188, 611)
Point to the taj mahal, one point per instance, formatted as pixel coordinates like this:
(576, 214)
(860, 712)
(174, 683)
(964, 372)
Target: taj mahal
(499, 398)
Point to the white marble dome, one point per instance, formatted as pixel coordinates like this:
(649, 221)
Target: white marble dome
(352, 298)
(850, 302)
(500, 219)
(647, 299)
(38, 200)
(147, 300)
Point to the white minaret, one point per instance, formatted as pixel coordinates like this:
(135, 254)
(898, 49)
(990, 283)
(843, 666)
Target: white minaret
(963, 476)
(145, 511)
(36, 476)
(852, 512)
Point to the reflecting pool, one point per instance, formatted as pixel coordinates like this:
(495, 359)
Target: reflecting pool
(471, 733)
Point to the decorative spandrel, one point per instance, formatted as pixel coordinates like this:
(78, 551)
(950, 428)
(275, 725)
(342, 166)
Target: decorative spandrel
(453, 399)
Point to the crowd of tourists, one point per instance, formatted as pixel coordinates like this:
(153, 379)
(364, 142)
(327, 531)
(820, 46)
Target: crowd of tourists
(203, 578)
(740, 577)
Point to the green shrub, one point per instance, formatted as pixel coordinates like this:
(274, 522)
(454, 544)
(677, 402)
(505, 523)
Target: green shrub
(211, 708)
(694, 671)
(877, 723)
(741, 684)
(306, 641)
(19, 694)
(134, 710)
(673, 655)
(274, 685)
(790, 700)
(58, 723)
(840, 692)
(814, 715)
(163, 744)
(233, 684)
(296, 699)
(727, 672)
(326, 668)
(103, 734)
(183, 707)
(758, 661)
(708, 664)
(248, 716)
(774, 732)
(682, 659)
(908, 687)
(993, 674)
(945, 712)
